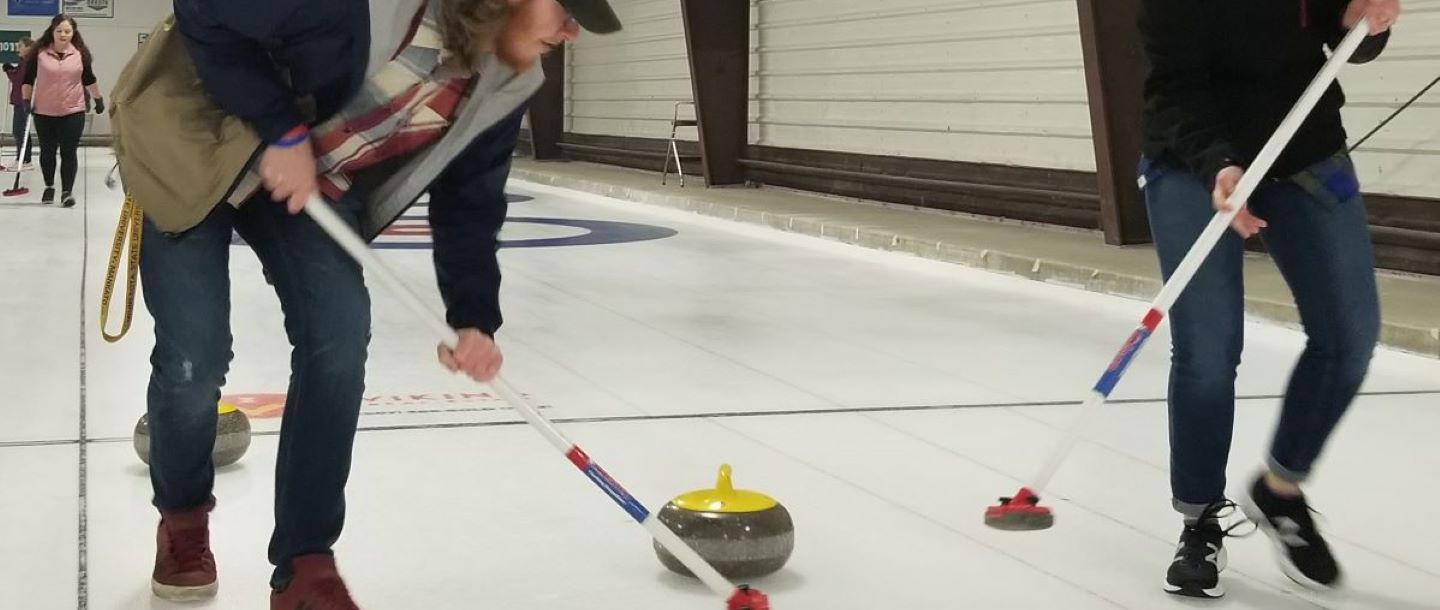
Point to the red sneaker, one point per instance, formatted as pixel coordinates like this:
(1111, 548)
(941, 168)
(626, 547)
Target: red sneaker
(316, 585)
(184, 566)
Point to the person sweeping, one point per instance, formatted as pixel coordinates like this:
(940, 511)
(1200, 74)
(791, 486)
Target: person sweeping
(370, 104)
(20, 113)
(1223, 75)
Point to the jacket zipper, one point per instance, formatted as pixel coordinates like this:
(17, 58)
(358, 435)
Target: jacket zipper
(1304, 14)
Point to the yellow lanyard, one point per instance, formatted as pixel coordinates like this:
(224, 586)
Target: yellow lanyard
(127, 230)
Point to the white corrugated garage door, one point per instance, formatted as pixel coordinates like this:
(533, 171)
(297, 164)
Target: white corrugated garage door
(627, 83)
(1404, 158)
(989, 81)
(992, 81)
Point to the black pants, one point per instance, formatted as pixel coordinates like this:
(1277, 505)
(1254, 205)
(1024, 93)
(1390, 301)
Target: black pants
(62, 134)
(19, 124)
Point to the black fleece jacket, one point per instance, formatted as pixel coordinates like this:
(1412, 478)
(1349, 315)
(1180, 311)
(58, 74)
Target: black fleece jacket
(1224, 73)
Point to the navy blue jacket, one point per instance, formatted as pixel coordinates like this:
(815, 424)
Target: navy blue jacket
(259, 59)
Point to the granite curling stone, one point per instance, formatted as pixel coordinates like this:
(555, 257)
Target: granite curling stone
(744, 534)
(232, 436)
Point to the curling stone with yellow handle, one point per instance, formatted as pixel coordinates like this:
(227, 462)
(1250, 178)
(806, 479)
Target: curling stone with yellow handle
(232, 436)
(744, 534)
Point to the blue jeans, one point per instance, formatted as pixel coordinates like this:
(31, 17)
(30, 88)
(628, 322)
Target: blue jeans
(186, 278)
(1319, 238)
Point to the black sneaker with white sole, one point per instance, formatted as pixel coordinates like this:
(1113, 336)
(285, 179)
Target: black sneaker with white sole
(1302, 552)
(1200, 556)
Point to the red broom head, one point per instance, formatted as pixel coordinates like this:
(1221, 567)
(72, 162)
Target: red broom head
(1022, 512)
(746, 598)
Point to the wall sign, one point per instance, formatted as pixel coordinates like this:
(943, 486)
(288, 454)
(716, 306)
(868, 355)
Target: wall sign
(34, 8)
(10, 45)
(81, 9)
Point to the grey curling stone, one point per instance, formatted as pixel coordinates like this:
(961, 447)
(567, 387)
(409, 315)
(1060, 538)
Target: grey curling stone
(232, 436)
(743, 534)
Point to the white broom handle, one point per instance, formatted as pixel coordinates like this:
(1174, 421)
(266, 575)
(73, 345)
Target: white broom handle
(341, 232)
(20, 153)
(331, 223)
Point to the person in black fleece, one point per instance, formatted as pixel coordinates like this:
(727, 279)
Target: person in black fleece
(1224, 73)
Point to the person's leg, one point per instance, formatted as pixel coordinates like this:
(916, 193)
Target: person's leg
(1319, 237)
(47, 130)
(19, 126)
(71, 129)
(17, 116)
(327, 317)
(186, 281)
(1207, 335)
(186, 284)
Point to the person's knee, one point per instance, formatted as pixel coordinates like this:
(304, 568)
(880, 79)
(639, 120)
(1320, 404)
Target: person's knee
(342, 347)
(1210, 357)
(337, 335)
(198, 362)
(1349, 343)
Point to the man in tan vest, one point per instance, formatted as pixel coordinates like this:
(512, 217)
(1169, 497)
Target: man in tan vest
(370, 104)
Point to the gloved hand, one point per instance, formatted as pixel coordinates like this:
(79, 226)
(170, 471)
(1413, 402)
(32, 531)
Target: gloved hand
(99, 105)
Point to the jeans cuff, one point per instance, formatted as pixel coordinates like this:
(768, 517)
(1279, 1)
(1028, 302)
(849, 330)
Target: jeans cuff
(1190, 510)
(1285, 474)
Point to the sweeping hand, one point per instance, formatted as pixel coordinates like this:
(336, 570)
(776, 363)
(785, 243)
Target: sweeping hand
(1382, 13)
(475, 355)
(1247, 225)
(289, 173)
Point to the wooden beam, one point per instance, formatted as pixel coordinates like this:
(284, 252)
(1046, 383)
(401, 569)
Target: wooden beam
(717, 35)
(1115, 68)
(547, 108)
(1022, 193)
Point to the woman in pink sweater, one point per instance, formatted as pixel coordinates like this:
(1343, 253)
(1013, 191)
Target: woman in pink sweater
(56, 77)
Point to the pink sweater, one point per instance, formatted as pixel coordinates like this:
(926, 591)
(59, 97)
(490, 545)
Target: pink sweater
(59, 82)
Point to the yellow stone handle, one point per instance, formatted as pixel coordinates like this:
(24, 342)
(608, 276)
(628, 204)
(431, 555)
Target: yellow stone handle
(724, 485)
(724, 498)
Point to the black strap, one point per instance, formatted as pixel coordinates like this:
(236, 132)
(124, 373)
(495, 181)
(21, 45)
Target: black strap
(1396, 113)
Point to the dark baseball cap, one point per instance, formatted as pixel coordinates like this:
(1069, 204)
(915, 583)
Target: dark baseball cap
(593, 15)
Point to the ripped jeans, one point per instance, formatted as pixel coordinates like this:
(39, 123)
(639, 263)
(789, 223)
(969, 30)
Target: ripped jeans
(186, 279)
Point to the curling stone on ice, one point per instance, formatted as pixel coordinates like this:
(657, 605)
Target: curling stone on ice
(232, 436)
(744, 534)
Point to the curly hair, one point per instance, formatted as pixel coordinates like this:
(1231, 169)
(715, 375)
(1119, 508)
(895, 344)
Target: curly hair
(469, 28)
